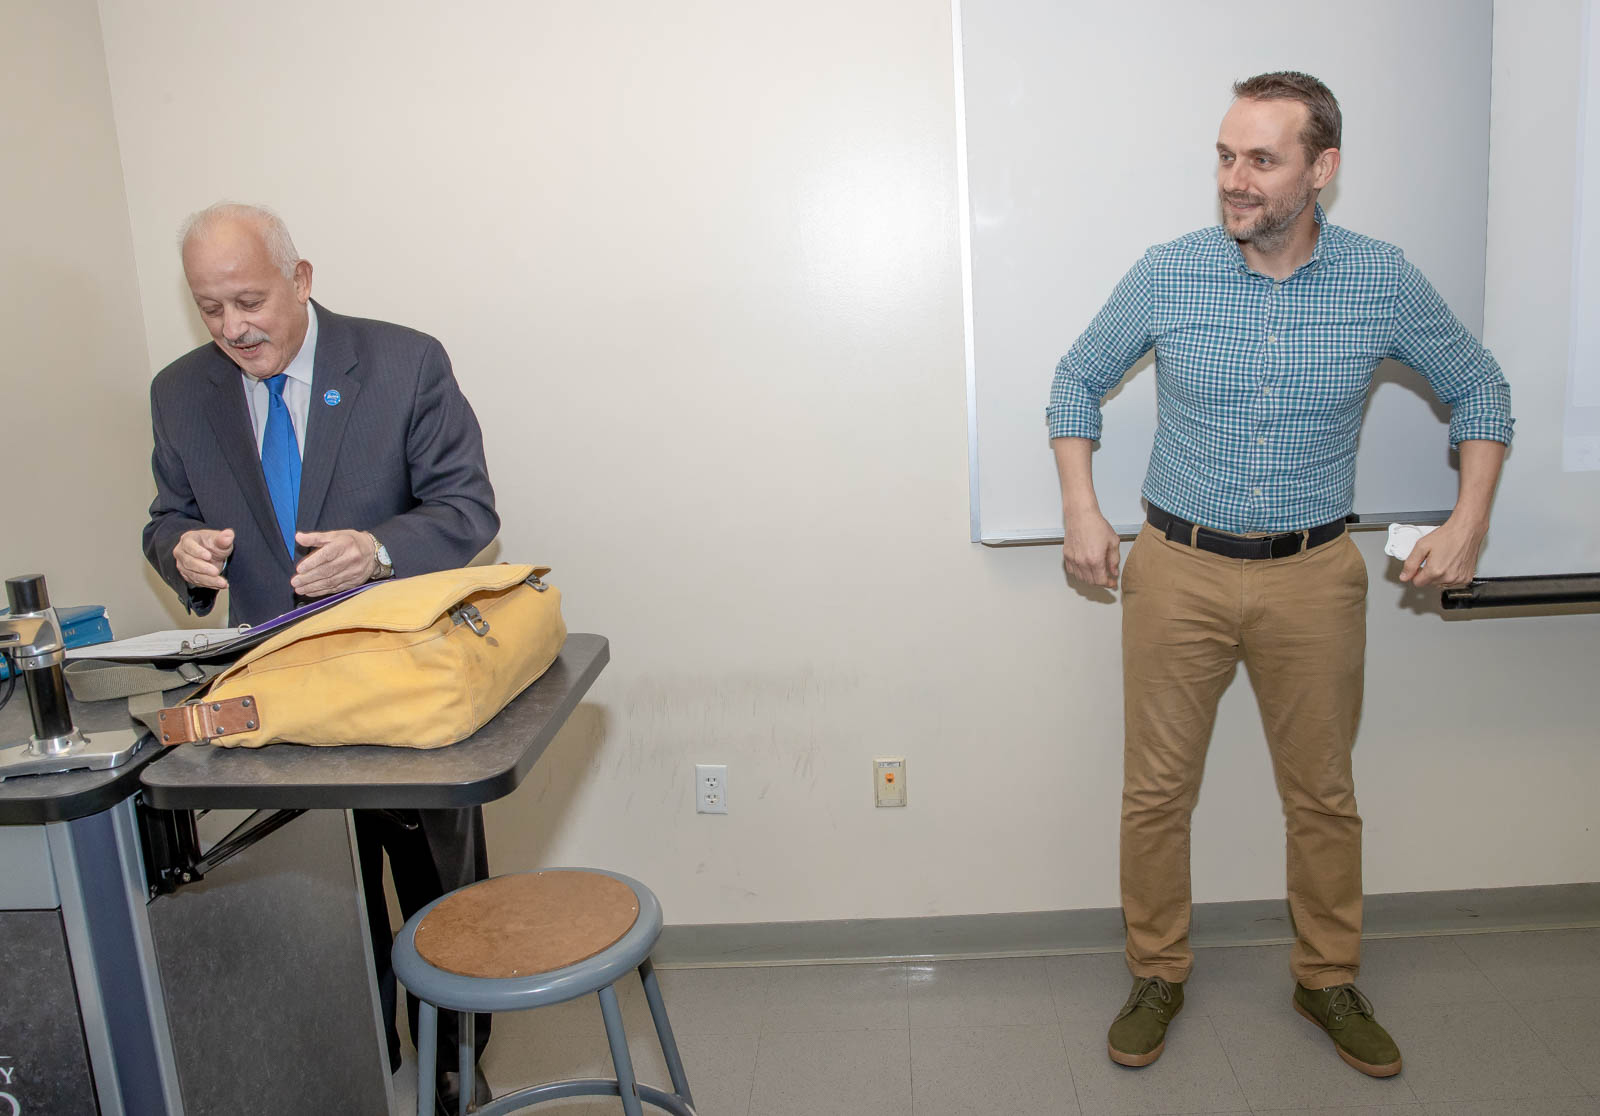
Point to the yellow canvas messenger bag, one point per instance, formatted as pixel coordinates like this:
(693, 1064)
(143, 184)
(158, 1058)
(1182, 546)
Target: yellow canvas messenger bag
(419, 662)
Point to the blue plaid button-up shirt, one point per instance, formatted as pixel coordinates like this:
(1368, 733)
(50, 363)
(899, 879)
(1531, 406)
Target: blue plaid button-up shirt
(1261, 383)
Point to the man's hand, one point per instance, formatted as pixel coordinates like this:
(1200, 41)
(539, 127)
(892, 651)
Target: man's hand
(201, 554)
(1446, 557)
(1092, 551)
(1451, 552)
(341, 560)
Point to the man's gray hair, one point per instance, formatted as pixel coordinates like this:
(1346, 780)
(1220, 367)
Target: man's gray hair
(273, 231)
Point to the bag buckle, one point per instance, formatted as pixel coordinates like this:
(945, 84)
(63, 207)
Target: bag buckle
(535, 584)
(471, 617)
(206, 720)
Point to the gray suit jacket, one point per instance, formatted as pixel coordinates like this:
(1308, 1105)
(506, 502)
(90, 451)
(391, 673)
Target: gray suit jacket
(399, 454)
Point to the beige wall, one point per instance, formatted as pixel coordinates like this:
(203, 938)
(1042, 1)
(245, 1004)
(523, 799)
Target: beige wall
(76, 431)
(697, 266)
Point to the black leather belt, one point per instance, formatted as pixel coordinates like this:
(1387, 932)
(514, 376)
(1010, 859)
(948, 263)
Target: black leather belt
(1237, 546)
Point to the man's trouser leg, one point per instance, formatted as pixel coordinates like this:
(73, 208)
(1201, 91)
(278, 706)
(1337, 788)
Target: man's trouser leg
(369, 846)
(431, 852)
(1180, 645)
(459, 856)
(1304, 645)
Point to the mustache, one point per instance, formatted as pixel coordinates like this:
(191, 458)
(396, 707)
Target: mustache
(254, 337)
(1243, 197)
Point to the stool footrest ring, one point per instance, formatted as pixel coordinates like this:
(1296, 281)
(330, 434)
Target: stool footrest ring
(582, 1087)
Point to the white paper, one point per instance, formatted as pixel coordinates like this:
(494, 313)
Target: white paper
(1403, 537)
(156, 645)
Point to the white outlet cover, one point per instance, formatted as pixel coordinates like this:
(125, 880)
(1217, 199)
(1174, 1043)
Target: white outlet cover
(711, 788)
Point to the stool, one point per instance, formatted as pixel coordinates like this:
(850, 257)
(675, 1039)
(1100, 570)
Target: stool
(523, 941)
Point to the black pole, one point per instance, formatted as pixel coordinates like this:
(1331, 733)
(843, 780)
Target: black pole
(47, 698)
(1539, 589)
(27, 594)
(46, 686)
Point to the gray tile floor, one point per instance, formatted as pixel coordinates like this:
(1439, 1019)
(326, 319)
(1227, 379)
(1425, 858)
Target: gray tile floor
(1490, 1025)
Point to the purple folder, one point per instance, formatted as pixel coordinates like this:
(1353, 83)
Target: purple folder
(260, 633)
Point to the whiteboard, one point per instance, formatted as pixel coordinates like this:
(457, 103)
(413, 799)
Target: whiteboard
(1546, 161)
(1087, 134)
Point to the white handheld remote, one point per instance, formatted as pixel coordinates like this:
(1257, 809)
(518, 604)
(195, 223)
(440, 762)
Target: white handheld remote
(1402, 538)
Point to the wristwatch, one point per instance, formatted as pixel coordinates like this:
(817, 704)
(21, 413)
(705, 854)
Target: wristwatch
(381, 553)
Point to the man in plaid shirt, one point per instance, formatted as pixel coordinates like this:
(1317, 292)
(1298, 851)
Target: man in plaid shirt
(1267, 330)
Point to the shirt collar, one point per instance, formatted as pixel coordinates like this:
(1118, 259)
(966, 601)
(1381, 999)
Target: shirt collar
(1330, 241)
(304, 362)
(1327, 236)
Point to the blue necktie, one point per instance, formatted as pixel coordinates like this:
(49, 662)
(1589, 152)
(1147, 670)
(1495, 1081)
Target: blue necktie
(280, 460)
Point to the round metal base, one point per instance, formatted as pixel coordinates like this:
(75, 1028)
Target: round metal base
(98, 751)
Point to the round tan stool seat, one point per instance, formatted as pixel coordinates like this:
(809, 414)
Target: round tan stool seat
(522, 925)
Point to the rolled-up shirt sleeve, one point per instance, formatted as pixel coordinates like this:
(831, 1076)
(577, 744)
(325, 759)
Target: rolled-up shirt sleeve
(1462, 373)
(1117, 337)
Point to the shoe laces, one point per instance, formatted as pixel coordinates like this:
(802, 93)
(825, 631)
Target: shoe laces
(1348, 1000)
(1150, 992)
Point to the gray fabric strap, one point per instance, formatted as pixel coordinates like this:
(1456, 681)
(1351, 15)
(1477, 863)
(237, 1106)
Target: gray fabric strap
(143, 685)
(100, 680)
(144, 708)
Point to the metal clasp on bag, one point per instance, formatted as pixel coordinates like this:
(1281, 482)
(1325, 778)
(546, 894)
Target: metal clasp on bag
(537, 585)
(470, 616)
(197, 721)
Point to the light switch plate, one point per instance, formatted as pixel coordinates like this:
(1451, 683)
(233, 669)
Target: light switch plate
(889, 781)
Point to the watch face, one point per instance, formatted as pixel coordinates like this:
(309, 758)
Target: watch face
(383, 556)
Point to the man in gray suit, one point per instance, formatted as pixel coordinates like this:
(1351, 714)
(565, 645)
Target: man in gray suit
(302, 453)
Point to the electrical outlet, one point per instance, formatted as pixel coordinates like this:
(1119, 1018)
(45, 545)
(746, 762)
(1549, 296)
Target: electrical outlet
(889, 781)
(711, 788)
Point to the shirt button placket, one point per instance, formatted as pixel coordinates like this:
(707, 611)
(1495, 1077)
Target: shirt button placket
(1269, 350)
(1254, 512)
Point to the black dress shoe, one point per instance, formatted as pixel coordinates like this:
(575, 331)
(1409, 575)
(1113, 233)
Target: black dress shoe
(447, 1096)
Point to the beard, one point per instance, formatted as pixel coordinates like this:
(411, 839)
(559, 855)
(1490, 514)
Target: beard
(1270, 225)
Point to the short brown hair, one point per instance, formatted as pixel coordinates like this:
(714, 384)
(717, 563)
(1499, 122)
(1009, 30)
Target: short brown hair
(1324, 124)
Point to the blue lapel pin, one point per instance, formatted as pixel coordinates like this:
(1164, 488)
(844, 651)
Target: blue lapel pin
(331, 397)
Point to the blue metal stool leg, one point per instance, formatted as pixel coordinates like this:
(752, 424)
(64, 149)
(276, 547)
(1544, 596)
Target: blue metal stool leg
(466, 1058)
(620, 1057)
(427, 1056)
(669, 1044)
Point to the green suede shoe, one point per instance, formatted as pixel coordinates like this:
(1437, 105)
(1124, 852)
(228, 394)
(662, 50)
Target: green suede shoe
(1139, 1032)
(1346, 1015)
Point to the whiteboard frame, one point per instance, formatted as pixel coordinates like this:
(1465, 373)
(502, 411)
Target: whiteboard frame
(969, 333)
(1580, 214)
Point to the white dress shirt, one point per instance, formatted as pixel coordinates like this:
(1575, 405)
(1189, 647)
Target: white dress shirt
(296, 389)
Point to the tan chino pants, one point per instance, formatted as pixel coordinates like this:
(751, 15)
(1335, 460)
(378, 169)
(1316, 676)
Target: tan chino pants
(1299, 624)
